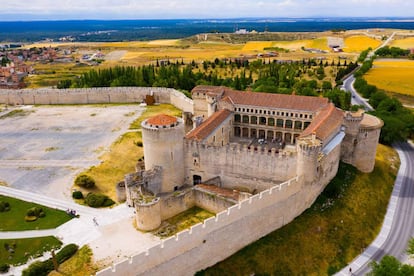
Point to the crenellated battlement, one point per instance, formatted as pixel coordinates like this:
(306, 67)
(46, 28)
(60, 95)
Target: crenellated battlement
(201, 234)
(238, 148)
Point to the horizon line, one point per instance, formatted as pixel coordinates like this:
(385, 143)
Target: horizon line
(391, 18)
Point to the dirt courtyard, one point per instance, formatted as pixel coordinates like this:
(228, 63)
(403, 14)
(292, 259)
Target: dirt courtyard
(43, 148)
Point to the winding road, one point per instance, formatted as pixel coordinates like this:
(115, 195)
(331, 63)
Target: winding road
(398, 225)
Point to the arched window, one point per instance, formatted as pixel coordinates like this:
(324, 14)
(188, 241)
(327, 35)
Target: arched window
(271, 122)
(253, 120)
(262, 120)
(279, 122)
(298, 125)
(237, 118)
(245, 119)
(288, 124)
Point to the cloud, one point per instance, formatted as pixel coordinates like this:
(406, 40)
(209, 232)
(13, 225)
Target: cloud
(124, 9)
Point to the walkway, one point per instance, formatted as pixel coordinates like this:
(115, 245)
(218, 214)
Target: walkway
(112, 238)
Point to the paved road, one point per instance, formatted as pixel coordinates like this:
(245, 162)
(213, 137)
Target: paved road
(398, 226)
(356, 98)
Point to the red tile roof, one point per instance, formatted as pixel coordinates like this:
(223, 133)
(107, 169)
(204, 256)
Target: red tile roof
(162, 120)
(208, 126)
(279, 101)
(325, 122)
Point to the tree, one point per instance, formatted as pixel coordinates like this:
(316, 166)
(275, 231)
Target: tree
(390, 266)
(85, 181)
(410, 248)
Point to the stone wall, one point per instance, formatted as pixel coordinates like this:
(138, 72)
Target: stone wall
(176, 203)
(99, 95)
(218, 237)
(237, 166)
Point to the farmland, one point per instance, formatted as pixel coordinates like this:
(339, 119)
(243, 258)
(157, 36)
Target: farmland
(393, 76)
(358, 43)
(137, 53)
(405, 43)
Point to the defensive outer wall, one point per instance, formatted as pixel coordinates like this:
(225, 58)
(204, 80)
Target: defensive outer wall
(220, 236)
(104, 95)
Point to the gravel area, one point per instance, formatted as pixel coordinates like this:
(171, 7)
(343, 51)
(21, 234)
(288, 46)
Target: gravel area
(44, 149)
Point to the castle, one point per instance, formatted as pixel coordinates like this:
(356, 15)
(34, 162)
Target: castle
(256, 160)
(240, 144)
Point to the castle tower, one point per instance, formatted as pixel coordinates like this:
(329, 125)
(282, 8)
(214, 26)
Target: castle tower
(308, 149)
(148, 213)
(365, 147)
(162, 137)
(352, 121)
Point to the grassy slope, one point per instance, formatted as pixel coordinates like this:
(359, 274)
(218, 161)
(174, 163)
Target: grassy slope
(25, 248)
(13, 220)
(326, 236)
(78, 265)
(123, 154)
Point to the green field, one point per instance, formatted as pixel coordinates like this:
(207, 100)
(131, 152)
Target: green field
(342, 223)
(26, 248)
(13, 220)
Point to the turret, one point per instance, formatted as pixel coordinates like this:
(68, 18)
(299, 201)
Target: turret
(162, 137)
(308, 152)
(352, 121)
(367, 142)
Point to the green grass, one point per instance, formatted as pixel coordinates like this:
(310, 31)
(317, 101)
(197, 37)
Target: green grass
(182, 221)
(26, 248)
(13, 220)
(343, 222)
(79, 264)
(16, 113)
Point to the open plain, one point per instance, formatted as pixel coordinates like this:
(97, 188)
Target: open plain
(44, 148)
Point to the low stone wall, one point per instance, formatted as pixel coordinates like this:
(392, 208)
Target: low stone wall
(99, 95)
(221, 236)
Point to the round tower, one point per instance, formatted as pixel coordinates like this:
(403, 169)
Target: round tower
(308, 152)
(366, 143)
(148, 213)
(162, 137)
(352, 121)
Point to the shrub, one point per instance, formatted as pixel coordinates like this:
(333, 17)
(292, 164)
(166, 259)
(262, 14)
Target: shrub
(4, 268)
(77, 195)
(4, 206)
(39, 268)
(98, 200)
(66, 252)
(35, 212)
(85, 181)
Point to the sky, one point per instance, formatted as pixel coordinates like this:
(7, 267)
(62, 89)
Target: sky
(174, 9)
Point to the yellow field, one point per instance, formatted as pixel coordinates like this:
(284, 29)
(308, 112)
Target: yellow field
(393, 76)
(257, 45)
(406, 43)
(198, 52)
(360, 43)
